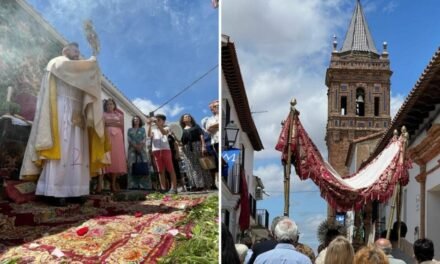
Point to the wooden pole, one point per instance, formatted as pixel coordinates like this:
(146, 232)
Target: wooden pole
(288, 165)
(393, 207)
(399, 212)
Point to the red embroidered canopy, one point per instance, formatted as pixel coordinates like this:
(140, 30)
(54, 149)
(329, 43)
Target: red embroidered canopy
(375, 181)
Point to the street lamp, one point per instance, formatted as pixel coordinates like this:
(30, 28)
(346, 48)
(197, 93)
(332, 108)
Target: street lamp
(231, 134)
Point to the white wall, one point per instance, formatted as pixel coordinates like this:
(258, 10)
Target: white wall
(412, 205)
(433, 217)
(433, 205)
(433, 179)
(432, 200)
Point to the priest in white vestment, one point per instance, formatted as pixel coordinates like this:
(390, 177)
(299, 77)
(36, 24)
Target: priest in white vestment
(68, 112)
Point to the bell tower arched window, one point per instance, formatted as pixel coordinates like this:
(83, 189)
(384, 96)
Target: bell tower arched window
(360, 102)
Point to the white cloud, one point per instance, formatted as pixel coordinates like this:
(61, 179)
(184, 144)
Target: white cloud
(176, 110)
(308, 229)
(369, 7)
(281, 31)
(283, 50)
(110, 17)
(146, 106)
(396, 102)
(390, 7)
(73, 12)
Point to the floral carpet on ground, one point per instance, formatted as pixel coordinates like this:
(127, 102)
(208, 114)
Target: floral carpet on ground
(100, 231)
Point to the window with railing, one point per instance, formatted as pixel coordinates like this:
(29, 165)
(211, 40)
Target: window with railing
(232, 178)
(262, 218)
(253, 206)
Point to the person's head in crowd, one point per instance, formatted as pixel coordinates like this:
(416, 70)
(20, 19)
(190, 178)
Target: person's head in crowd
(137, 122)
(229, 253)
(109, 105)
(214, 107)
(330, 235)
(385, 245)
(247, 240)
(160, 119)
(71, 51)
(286, 231)
(423, 249)
(187, 119)
(403, 228)
(241, 251)
(339, 251)
(370, 255)
(275, 221)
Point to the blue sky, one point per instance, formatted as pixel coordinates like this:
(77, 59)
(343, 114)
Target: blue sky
(284, 49)
(150, 49)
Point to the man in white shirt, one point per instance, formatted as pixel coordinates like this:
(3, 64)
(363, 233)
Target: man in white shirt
(286, 233)
(386, 247)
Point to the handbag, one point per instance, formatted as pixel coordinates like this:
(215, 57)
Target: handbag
(208, 162)
(139, 168)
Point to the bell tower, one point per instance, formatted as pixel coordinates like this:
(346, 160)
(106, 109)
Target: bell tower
(358, 81)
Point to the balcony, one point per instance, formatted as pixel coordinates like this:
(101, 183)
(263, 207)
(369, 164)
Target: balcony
(259, 188)
(232, 179)
(263, 218)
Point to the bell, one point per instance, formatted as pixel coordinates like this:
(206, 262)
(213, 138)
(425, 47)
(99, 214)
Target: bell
(360, 99)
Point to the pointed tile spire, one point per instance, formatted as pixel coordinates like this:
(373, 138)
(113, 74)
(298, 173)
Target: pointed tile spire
(358, 36)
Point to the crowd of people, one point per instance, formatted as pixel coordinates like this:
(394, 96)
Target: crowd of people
(283, 247)
(75, 137)
(169, 156)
